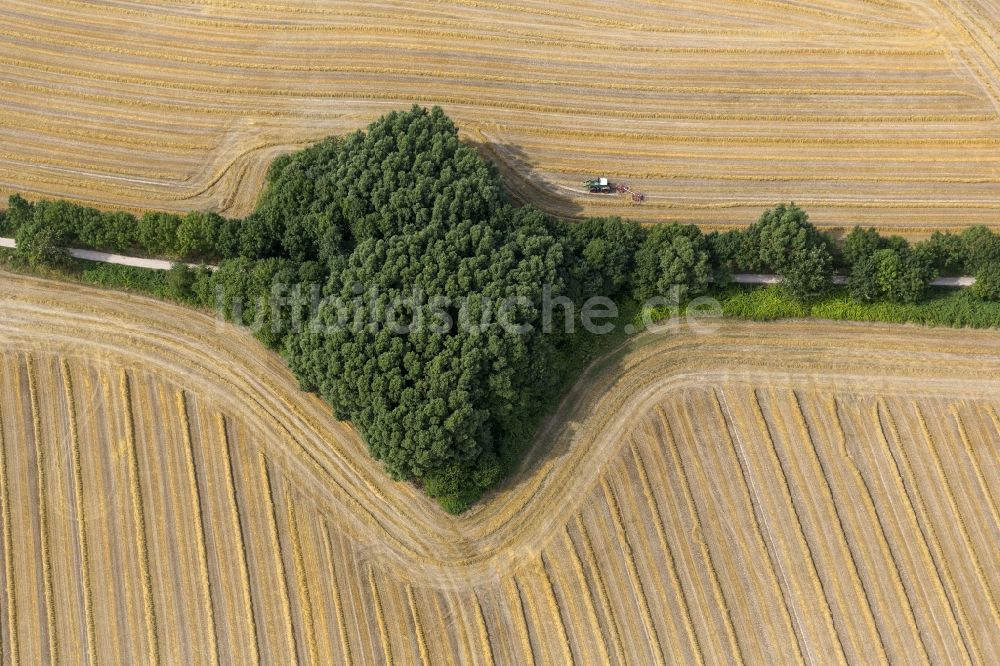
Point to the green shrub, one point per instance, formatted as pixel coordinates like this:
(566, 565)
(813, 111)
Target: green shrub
(762, 304)
(19, 212)
(987, 285)
(41, 244)
(128, 278)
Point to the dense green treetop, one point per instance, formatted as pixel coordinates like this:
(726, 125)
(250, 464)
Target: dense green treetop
(860, 244)
(897, 275)
(673, 256)
(784, 241)
(947, 252)
(417, 223)
(607, 247)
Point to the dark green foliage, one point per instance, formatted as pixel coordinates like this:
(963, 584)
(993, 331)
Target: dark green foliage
(982, 248)
(900, 276)
(45, 229)
(422, 172)
(439, 407)
(946, 252)
(299, 206)
(227, 242)
(906, 276)
(428, 401)
(40, 244)
(157, 233)
(982, 259)
(197, 235)
(66, 219)
(75, 224)
(607, 247)
(203, 288)
(987, 285)
(673, 256)
(725, 250)
(452, 489)
(897, 243)
(783, 240)
(808, 273)
(252, 293)
(928, 257)
(260, 236)
(407, 212)
(161, 284)
(180, 282)
(319, 203)
(861, 244)
(115, 232)
(19, 212)
(87, 227)
(864, 284)
(781, 232)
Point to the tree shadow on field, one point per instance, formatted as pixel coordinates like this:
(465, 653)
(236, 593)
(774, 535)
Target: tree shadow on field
(522, 182)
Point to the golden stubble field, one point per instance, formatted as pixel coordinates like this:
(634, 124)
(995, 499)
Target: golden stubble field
(880, 112)
(769, 493)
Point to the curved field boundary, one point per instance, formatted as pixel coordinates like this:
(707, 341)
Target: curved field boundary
(331, 461)
(701, 451)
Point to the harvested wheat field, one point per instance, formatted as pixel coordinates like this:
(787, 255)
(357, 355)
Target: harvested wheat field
(780, 493)
(877, 111)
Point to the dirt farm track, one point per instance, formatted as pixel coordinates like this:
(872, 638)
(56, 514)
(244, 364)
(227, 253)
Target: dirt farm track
(884, 112)
(782, 493)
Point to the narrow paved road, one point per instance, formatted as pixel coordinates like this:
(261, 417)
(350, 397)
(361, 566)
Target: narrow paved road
(162, 265)
(762, 278)
(108, 258)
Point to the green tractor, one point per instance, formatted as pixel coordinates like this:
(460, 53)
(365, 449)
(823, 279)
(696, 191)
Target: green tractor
(599, 186)
(604, 186)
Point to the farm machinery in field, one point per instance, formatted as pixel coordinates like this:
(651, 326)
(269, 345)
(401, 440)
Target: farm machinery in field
(605, 186)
